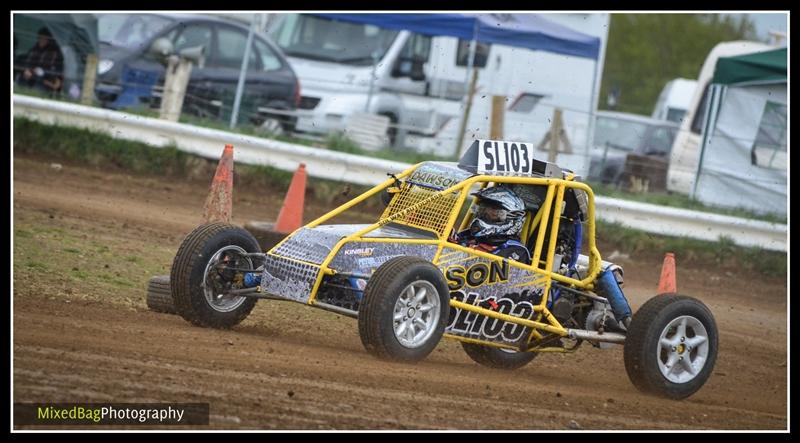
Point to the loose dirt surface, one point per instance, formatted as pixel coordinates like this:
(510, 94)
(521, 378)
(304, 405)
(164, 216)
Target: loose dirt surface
(86, 242)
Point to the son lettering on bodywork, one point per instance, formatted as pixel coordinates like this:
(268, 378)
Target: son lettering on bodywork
(476, 275)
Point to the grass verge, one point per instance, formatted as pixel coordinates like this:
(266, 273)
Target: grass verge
(724, 254)
(101, 150)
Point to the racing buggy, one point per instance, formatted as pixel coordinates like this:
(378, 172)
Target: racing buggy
(409, 282)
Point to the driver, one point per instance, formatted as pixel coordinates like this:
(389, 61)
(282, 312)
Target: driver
(498, 218)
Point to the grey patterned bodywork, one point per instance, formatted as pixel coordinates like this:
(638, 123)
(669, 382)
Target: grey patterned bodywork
(438, 175)
(289, 279)
(314, 244)
(291, 270)
(513, 292)
(364, 257)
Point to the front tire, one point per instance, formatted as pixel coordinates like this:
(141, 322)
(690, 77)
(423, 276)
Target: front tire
(197, 284)
(497, 358)
(671, 346)
(404, 310)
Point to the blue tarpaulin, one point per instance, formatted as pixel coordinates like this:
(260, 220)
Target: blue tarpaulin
(530, 31)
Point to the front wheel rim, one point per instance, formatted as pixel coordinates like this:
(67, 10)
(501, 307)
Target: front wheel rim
(416, 314)
(683, 348)
(222, 302)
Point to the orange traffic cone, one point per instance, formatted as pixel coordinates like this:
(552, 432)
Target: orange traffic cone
(667, 283)
(291, 215)
(219, 203)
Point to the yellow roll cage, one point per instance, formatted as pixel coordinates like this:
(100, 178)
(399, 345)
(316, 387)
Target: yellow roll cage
(454, 197)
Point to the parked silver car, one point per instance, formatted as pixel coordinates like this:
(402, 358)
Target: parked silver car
(623, 142)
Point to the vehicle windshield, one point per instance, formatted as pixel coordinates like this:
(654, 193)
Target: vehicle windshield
(129, 30)
(318, 38)
(620, 134)
(675, 114)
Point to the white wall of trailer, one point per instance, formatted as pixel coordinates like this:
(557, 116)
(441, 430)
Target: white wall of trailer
(563, 81)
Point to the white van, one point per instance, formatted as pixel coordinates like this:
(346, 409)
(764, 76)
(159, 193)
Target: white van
(686, 148)
(420, 81)
(674, 100)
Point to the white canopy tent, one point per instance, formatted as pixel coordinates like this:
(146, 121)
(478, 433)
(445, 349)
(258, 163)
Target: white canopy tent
(744, 152)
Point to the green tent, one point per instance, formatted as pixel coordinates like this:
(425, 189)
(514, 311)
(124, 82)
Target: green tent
(759, 67)
(744, 149)
(76, 35)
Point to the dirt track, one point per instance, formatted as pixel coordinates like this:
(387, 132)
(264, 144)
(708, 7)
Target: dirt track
(291, 367)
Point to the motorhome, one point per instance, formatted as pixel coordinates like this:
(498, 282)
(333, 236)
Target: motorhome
(674, 100)
(419, 82)
(686, 147)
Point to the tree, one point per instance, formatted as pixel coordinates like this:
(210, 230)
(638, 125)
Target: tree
(645, 51)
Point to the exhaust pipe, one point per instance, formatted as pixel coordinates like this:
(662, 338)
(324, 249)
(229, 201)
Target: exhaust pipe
(606, 337)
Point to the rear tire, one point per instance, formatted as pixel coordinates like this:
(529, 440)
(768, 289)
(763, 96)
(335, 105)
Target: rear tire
(404, 310)
(159, 295)
(671, 346)
(193, 280)
(497, 358)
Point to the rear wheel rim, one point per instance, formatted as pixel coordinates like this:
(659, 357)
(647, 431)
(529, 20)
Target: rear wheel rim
(682, 350)
(218, 301)
(416, 314)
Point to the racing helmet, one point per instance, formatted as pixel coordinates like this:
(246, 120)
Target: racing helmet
(499, 214)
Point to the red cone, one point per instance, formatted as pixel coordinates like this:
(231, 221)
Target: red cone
(667, 283)
(291, 216)
(219, 204)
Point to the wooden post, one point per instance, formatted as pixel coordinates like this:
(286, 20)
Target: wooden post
(177, 78)
(460, 148)
(555, 136)
(89, 76)
(498, 117)
(565, 140)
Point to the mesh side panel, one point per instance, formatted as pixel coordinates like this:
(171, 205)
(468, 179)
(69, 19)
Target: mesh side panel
(288, 279)
(421, 208)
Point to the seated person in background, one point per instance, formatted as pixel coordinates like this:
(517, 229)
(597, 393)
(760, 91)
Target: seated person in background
(43, 66)
(499, 216)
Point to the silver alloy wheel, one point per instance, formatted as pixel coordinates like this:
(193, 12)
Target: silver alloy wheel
(416, 313)
(682, 349)
(222, 302)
